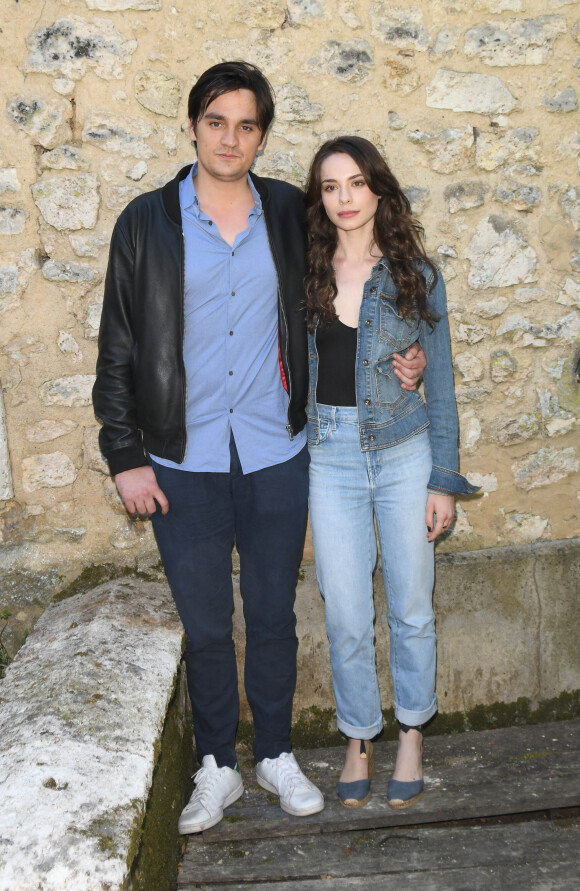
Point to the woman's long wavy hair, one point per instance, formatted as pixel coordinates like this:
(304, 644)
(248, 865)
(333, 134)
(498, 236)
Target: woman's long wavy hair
(398, 236)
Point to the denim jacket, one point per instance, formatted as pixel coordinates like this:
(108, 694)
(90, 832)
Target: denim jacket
(387, 413)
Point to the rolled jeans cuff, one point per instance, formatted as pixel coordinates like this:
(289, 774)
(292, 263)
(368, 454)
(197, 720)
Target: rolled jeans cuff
(359, 732)
(413, 719)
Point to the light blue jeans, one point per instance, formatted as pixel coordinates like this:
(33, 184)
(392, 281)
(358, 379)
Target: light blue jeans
(349, 491)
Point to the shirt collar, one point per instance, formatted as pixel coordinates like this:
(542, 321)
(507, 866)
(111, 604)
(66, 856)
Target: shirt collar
(190, 201)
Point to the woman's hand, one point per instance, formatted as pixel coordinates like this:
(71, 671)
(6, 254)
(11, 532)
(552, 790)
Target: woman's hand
(439, 514)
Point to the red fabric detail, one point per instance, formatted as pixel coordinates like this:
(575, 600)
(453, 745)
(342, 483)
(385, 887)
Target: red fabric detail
(282, 375)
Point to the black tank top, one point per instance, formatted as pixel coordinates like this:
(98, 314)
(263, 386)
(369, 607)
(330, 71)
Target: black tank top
(336, 346)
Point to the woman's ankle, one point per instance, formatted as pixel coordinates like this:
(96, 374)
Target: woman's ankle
(356, 763)
(409, 763)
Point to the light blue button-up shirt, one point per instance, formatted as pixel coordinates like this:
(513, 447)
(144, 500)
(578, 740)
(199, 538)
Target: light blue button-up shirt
(231, 345)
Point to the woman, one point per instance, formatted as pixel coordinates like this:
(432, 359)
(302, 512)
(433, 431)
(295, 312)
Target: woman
(378, 454)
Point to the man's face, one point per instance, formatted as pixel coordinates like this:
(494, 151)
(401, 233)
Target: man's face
(228, 136)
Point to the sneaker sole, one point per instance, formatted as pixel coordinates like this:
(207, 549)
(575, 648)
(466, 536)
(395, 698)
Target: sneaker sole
(184, 828)
(287, 808)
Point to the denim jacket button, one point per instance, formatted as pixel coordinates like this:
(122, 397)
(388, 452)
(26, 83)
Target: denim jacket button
(366, 362)
(368, 323)
(367, 401)
(372, 437)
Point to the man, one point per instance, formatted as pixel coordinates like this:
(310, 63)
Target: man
(201, 387)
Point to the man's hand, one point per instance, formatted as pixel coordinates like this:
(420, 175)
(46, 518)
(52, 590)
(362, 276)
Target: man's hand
(409, 368)
(439, 514)
(139, 490)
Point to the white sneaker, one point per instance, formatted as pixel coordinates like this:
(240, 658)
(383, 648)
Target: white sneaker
(282, 775)
(215, 788)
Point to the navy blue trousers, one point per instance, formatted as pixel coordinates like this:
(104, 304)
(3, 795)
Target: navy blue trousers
(264, 513)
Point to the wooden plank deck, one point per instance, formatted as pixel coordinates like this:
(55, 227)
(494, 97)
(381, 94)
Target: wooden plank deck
(521, 774)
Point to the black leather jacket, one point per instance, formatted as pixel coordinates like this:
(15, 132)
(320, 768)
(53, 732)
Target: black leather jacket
(140, 389)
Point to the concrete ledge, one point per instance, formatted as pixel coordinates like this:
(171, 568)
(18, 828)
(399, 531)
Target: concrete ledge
(82, 709)
(508, 626)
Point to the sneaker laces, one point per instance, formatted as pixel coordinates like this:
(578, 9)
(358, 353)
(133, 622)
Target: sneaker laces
(289, 773)
(205, 780)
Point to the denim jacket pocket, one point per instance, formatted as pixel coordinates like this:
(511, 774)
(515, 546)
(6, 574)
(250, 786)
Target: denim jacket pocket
(395, 330)
(389, 392)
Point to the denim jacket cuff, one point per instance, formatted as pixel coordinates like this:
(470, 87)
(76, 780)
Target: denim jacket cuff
(449, 482)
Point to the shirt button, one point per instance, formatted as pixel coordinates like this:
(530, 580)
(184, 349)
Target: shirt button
(210, 222)
(230, 373)
(366, 362)
(233, 253)
(231, 333)
(231, 411)
(368, 402)
(233, 293)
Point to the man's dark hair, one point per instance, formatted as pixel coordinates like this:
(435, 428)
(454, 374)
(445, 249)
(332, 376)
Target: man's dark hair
(225, 78)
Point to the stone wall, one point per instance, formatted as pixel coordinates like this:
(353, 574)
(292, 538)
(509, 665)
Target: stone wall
(473, 103)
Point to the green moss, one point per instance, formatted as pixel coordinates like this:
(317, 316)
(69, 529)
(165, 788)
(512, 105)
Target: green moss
(316, 727)
(234, 818)
(156, 863)
(95, 575)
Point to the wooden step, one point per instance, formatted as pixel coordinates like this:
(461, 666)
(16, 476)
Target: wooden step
(529, 855)
(527, 772)
(468, 775)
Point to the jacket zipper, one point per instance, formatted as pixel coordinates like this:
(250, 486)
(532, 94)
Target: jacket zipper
(289, 427)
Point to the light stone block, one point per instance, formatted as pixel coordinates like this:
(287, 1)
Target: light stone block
(401, 28)
(349, 61)
(469, 91)
(515, 42)
(492, 308)
(49, 471)
(265, 14)
(303, 12)
(465, 195)
(159, 91)
(83, 707)
(293, 105)
(46, 123)
(63, 157)
(68, 345)
(521, 145)
(499, 256)
(59, 271)
(68, 202)
(546, 466)
(9, 180)
(12, 220)
(72, 391)
(563, 102)
(470, 367)
(119, 133)
(71, 46)
(449, 150)
(45, 431)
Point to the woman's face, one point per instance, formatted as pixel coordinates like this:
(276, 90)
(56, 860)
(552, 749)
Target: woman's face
(348, 201)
